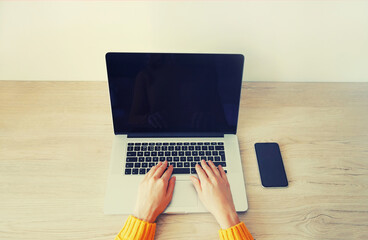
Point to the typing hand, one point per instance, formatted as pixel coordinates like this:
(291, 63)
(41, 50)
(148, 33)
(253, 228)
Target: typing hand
(214, 192)
(155, 192)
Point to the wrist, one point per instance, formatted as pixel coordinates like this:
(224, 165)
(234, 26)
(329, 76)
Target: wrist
(228, 220)
(150, 218)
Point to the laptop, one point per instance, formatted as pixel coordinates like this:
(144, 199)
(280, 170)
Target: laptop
(178, 107)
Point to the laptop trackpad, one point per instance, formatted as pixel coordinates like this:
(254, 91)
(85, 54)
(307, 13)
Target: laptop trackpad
(185, 195)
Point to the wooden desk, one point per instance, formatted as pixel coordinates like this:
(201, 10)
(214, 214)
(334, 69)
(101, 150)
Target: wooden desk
(55, 144)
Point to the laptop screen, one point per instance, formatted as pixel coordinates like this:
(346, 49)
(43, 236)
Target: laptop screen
(174, 93)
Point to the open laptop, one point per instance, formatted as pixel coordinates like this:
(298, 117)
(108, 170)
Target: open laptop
(175, 107)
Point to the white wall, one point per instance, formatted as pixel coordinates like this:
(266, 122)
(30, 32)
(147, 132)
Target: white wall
(282, 40)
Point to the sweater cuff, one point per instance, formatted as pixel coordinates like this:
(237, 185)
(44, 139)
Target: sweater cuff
(238, 231)
(135, 228)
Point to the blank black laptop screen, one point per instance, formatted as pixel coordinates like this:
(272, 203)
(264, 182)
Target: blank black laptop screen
(174, 93)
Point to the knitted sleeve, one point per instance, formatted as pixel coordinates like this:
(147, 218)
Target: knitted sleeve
(236, 232)
(137, 229)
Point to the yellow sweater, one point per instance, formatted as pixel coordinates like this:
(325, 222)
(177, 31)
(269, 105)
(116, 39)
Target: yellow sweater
(137, 229)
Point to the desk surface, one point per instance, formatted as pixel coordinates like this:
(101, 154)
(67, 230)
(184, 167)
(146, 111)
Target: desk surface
(55, 144)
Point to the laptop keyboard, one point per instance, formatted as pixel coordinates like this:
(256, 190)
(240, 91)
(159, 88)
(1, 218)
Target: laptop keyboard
(141, 157)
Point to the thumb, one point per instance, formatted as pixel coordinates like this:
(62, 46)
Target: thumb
(170, 188)
(196, 183)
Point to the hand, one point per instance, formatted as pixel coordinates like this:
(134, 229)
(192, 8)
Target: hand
(214, 192)
(155, 192)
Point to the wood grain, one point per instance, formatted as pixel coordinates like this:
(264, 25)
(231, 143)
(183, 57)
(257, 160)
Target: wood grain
(55, 144)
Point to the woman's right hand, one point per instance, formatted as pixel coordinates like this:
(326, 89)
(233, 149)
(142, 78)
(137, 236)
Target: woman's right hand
(214, 192)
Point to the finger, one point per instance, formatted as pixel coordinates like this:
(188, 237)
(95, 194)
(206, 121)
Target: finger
(196, 184)
(153, 170)
(167, 174)
(214, 169)
(201, 173)
(160, 170)
(222, 172)
(170, 187)
(207, 169)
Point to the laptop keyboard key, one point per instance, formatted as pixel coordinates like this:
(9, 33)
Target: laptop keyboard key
(129, 154)
(131, 159)
(220, 163)
(129, 165)
(135, 171)
(181, 171)
(128, 171)
(219, 147)
(142, 171)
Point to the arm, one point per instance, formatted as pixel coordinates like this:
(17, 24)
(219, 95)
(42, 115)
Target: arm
(213, 190)
(154, 194)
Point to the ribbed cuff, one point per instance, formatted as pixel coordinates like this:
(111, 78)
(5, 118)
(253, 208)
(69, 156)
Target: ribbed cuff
(238, 231)
(135, 228)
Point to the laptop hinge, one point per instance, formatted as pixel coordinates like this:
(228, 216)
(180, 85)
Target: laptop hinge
(173, 135)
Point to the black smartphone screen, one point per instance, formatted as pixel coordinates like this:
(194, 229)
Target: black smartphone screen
(271, 167)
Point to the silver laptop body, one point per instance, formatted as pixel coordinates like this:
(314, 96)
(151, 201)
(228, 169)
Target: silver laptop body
(175, 120)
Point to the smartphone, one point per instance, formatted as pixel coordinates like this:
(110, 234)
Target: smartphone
(271, 167)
